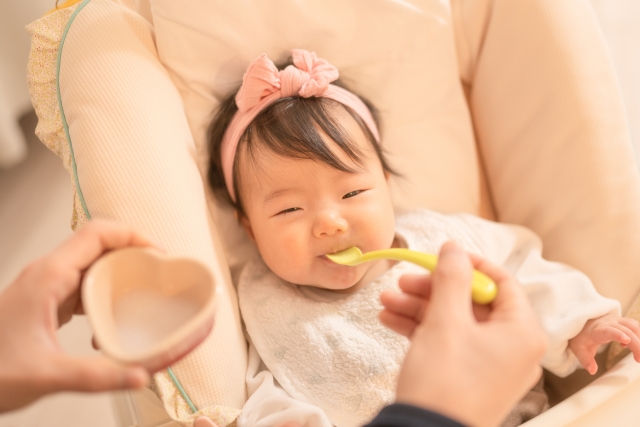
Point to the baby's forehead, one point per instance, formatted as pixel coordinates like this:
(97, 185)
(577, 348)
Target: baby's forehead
(274, 169)
(272, 173)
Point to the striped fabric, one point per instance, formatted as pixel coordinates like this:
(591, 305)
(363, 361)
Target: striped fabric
(134, 163)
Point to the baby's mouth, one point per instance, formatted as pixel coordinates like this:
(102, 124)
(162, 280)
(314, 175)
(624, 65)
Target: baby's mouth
(326, 258)
(327, 263)
(334, 252)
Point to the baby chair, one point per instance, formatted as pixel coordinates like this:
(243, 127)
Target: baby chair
(508, 110)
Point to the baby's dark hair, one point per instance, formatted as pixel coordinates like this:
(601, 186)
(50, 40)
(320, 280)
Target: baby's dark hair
(288, 128)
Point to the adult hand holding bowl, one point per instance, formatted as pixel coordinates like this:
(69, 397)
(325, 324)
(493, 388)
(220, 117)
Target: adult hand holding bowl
(147, 308)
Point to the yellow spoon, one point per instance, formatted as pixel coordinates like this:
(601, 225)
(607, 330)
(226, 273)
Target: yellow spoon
(483, 289)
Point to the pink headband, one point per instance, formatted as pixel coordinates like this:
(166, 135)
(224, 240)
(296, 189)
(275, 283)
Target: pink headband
(263, 84)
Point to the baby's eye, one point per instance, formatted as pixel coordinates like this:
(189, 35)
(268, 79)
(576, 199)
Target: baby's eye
(288, 210)
(351, 194)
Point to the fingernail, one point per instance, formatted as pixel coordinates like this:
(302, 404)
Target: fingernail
(450, 247)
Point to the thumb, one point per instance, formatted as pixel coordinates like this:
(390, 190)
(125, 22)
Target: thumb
(93, 374)
(451, 283)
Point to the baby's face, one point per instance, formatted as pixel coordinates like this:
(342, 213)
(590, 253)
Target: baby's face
(300, 210)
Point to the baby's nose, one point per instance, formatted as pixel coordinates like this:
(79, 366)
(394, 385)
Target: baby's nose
(329, 223)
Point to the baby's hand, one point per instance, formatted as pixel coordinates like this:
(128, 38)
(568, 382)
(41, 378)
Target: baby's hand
(600, 331)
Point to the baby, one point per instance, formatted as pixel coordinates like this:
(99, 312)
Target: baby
(299, 158)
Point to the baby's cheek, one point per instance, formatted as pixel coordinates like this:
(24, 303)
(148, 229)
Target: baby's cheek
(284, 255)
(381, 230)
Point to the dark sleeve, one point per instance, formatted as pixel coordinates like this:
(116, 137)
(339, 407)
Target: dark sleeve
(399, 415)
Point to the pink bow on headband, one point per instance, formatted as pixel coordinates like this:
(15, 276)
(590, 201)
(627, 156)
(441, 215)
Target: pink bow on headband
(263, 84)
(309, 76)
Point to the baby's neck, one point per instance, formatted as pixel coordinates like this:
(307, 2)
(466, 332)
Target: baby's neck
(377, 269)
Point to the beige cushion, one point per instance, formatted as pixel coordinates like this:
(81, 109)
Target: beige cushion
(552, 131)
(134, 162)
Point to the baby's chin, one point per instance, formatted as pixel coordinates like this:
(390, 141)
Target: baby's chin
(343, 280)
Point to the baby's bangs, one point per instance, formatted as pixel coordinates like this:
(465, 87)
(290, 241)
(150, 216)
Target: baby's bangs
(291, 128)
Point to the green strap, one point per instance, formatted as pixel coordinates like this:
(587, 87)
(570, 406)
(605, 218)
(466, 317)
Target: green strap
(181, 390)
(64, 119)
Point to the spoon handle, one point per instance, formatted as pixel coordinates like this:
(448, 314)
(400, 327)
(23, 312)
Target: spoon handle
(428, 261)
(483, 289)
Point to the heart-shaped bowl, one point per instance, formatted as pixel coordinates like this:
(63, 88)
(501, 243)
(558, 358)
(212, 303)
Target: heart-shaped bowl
(147, 308)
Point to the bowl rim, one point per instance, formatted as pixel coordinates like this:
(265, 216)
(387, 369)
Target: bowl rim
(185, 333)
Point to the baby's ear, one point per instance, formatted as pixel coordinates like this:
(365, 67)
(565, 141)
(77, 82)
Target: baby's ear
(244, 221)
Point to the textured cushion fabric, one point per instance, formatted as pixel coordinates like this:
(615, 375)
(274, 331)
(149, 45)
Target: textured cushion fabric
(400, 55)
(134, 160)
(552, 131)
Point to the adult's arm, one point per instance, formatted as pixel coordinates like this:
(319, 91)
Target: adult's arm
(401, 415)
